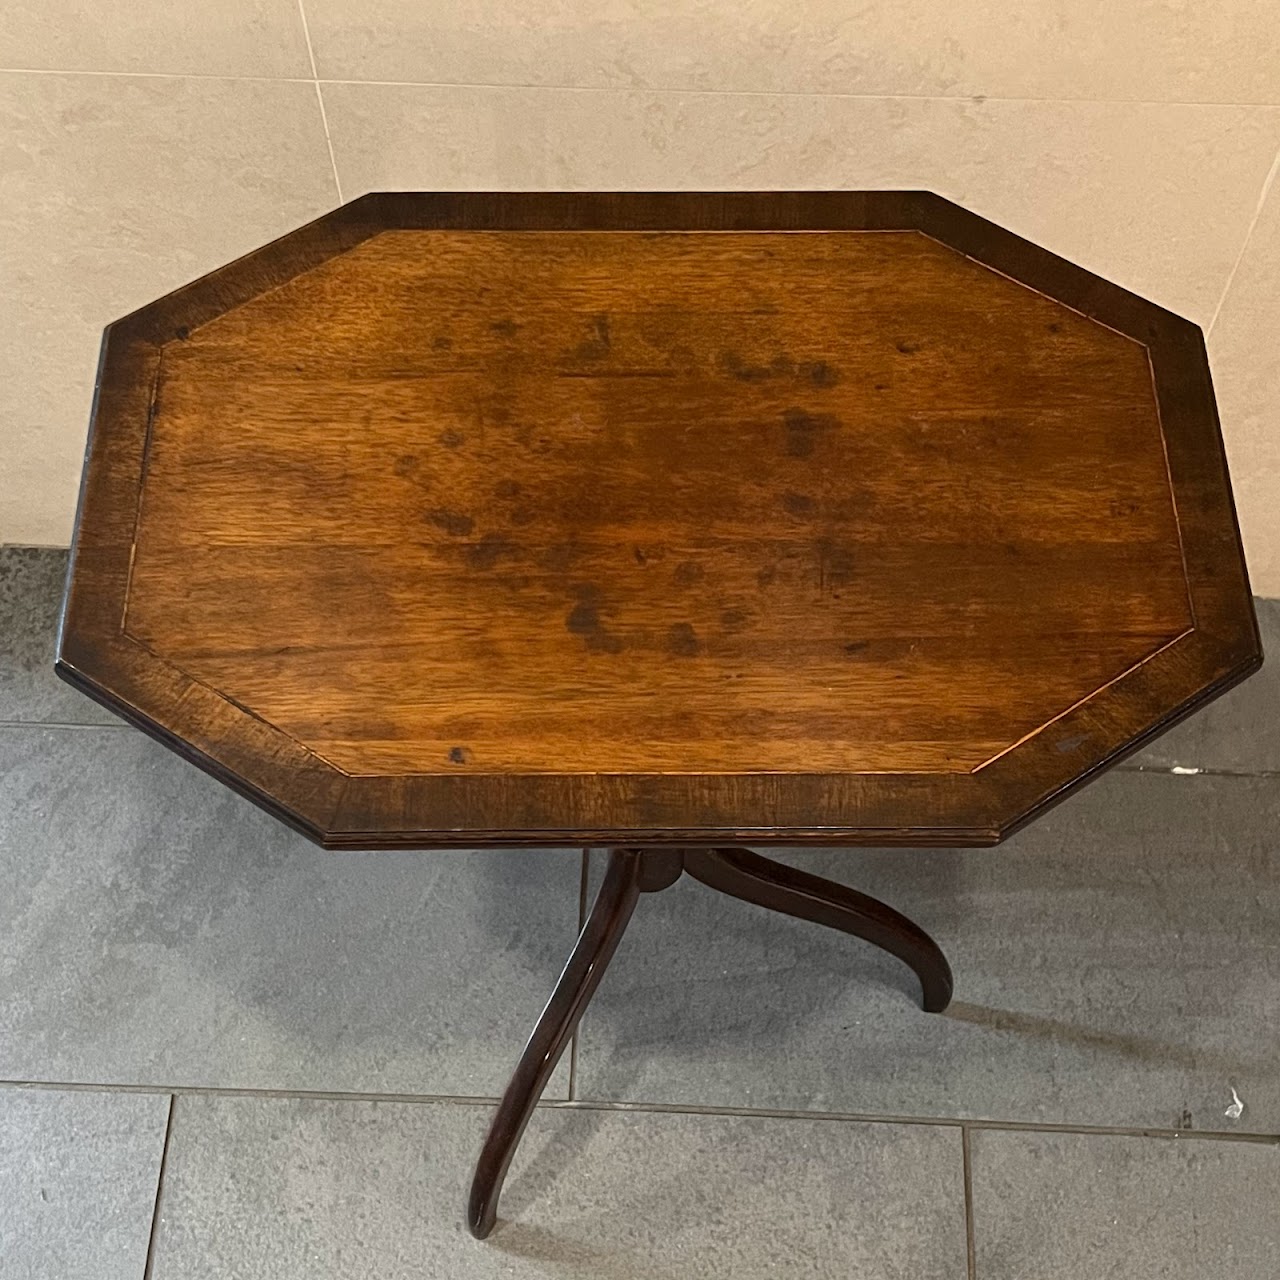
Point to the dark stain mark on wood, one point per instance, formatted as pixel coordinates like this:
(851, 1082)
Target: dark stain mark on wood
(406, 464)
(682, 640)
(441, 342)
(1055, 327)
(804, 430)
(640, 556)
(733, 619)
(595, 347)
(507, 489)
(835, 565)
(855, 647)
(907, 348)
(584, 621)
(687, 572)
(489, 550)
(452, 439)
(798, 504)
(459, 755)
(453, 523)
(766, 575)
(732, 363)
(182, 333)
(558, 558)
(880, 386)
(1120, 508)
(818, 372)
(617, 373)
(505, 328)
(523, 516)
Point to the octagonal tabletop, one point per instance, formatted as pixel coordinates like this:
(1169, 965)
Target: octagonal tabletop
(842, 517)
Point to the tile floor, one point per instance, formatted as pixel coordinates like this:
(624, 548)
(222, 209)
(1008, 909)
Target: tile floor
(227, 1054)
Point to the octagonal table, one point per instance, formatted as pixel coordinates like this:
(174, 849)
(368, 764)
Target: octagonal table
(660, 522)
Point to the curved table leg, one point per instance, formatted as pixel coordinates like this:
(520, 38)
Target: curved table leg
(624, 881)
(746, 875)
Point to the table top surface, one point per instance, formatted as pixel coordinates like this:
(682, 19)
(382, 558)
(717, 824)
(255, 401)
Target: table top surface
(477, 519)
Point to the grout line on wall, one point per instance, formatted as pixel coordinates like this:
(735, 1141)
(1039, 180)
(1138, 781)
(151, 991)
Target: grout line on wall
(324, 117)
(151, 75)
(662, 1108)
(971, 1247)
(149, 1266)
(333, 161)
(977, 99)
(1248, 236)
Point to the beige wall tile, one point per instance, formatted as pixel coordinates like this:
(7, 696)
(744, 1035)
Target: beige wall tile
(1156, 198)
(1136, 49)
(211, 37)
(1244, 350)
(117, 190)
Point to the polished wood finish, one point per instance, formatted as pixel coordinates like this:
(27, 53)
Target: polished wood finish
(616, 901)
(655, 519)
(630, 872)
(746, 875)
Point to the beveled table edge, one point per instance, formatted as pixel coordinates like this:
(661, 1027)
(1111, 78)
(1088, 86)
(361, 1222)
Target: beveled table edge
(547, 809)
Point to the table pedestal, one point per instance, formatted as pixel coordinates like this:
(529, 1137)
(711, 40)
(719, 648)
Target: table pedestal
(631, 872)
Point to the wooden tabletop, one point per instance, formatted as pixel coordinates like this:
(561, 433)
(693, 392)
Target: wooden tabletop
(635, 518)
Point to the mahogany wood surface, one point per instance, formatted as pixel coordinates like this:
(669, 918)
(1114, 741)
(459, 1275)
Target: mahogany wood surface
(636, 518)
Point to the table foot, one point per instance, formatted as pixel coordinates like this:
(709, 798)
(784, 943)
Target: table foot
(631, 872)
(746, 875)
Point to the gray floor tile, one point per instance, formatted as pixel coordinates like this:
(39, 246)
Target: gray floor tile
(78, 1174)
(1115, 963)
(1239, 732)
(156, 928)
(274, 1188)
(1059, 1206)
(30, 596)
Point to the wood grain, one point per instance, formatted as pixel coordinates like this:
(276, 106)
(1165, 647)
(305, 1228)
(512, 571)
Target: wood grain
(473, 513)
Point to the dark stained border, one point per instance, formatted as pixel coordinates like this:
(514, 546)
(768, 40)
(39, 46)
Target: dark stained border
(430, 811)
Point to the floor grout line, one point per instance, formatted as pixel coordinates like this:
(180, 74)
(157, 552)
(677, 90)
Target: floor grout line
(660, 1108)
(976, 99)
(149, 1266)
(971, 1249)
(941, 1122)
(61, 724)
(1196, 771)
(248, 1091)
